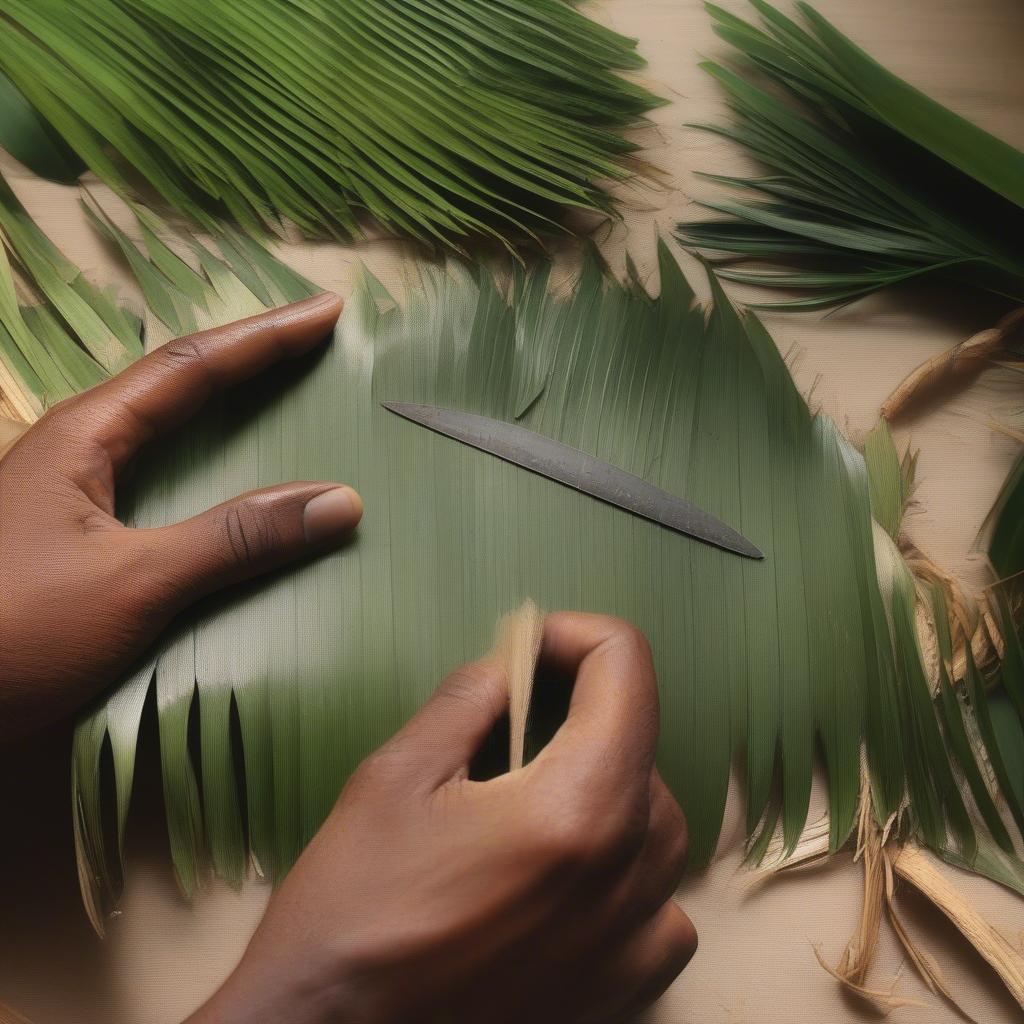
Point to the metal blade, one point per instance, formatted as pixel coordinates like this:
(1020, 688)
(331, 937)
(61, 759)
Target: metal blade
(577, 470)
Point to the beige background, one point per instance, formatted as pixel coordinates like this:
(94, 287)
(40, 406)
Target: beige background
(756, 960)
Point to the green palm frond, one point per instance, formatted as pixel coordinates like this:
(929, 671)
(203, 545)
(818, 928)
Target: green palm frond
(869, 182)
(325, 663)
(890, 477)
(962, 796)
(31, 141)
(1005, 549)
(41, 360)
(438, 120)
(985, 733)
(1005, 546)
(815, 648)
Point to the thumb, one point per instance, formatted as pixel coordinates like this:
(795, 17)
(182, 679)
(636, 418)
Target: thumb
(250, 535)
(438, 743)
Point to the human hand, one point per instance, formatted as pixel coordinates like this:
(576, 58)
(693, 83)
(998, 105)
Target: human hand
(541, 895)
(83, 596)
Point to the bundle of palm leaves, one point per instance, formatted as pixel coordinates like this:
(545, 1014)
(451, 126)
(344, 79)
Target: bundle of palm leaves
(869, 182)
(439, 120)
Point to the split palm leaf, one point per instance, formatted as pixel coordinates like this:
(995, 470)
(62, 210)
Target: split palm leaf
(438, 120)
(324, 664)
(961, 771)
(982, 806)
(870, 182)
(75, 338)
(269, 698)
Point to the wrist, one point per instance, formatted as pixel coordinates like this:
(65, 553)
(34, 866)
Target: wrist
(283, 995)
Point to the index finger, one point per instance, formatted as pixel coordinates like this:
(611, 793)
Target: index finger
(613, 713)
(172, 383)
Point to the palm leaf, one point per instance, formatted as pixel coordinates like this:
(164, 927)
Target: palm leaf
(438, 120)
(1008, 733)
(311, 670)
(891, 479)
(869, 182)
(75, 340)
(31, 141)
(637, 381)
(961, 779)
(1006, 532)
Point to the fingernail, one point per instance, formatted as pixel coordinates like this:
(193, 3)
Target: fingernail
(331, 515)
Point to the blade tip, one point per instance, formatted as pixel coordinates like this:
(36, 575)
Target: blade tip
(743, 547)
(403, 409)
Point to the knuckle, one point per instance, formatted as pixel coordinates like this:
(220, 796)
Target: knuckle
(629, 637)
(668, 831)
(379, 769)
(624, 831)
(588, 838)
(249, 533)
(565, 847)
(631, 643)
(477, 686)
(82, 428)
(64, 421)
(96, 521)
(179, 354)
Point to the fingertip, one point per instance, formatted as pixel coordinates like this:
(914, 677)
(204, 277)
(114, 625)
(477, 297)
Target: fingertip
(614, 704)
(322, 304)
(569, 637)
(688, 939)
(331, 515)
(685, 928)
(301, 326)
(674, 938)
(322, 309)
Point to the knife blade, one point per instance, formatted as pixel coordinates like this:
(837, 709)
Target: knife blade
(573, 468)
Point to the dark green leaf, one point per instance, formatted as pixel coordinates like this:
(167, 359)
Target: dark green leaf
(440, 121)
(870, 182)
(31, 141)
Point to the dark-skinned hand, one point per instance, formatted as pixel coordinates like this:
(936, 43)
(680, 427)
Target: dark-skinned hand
(81, 596)
(544, 895)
